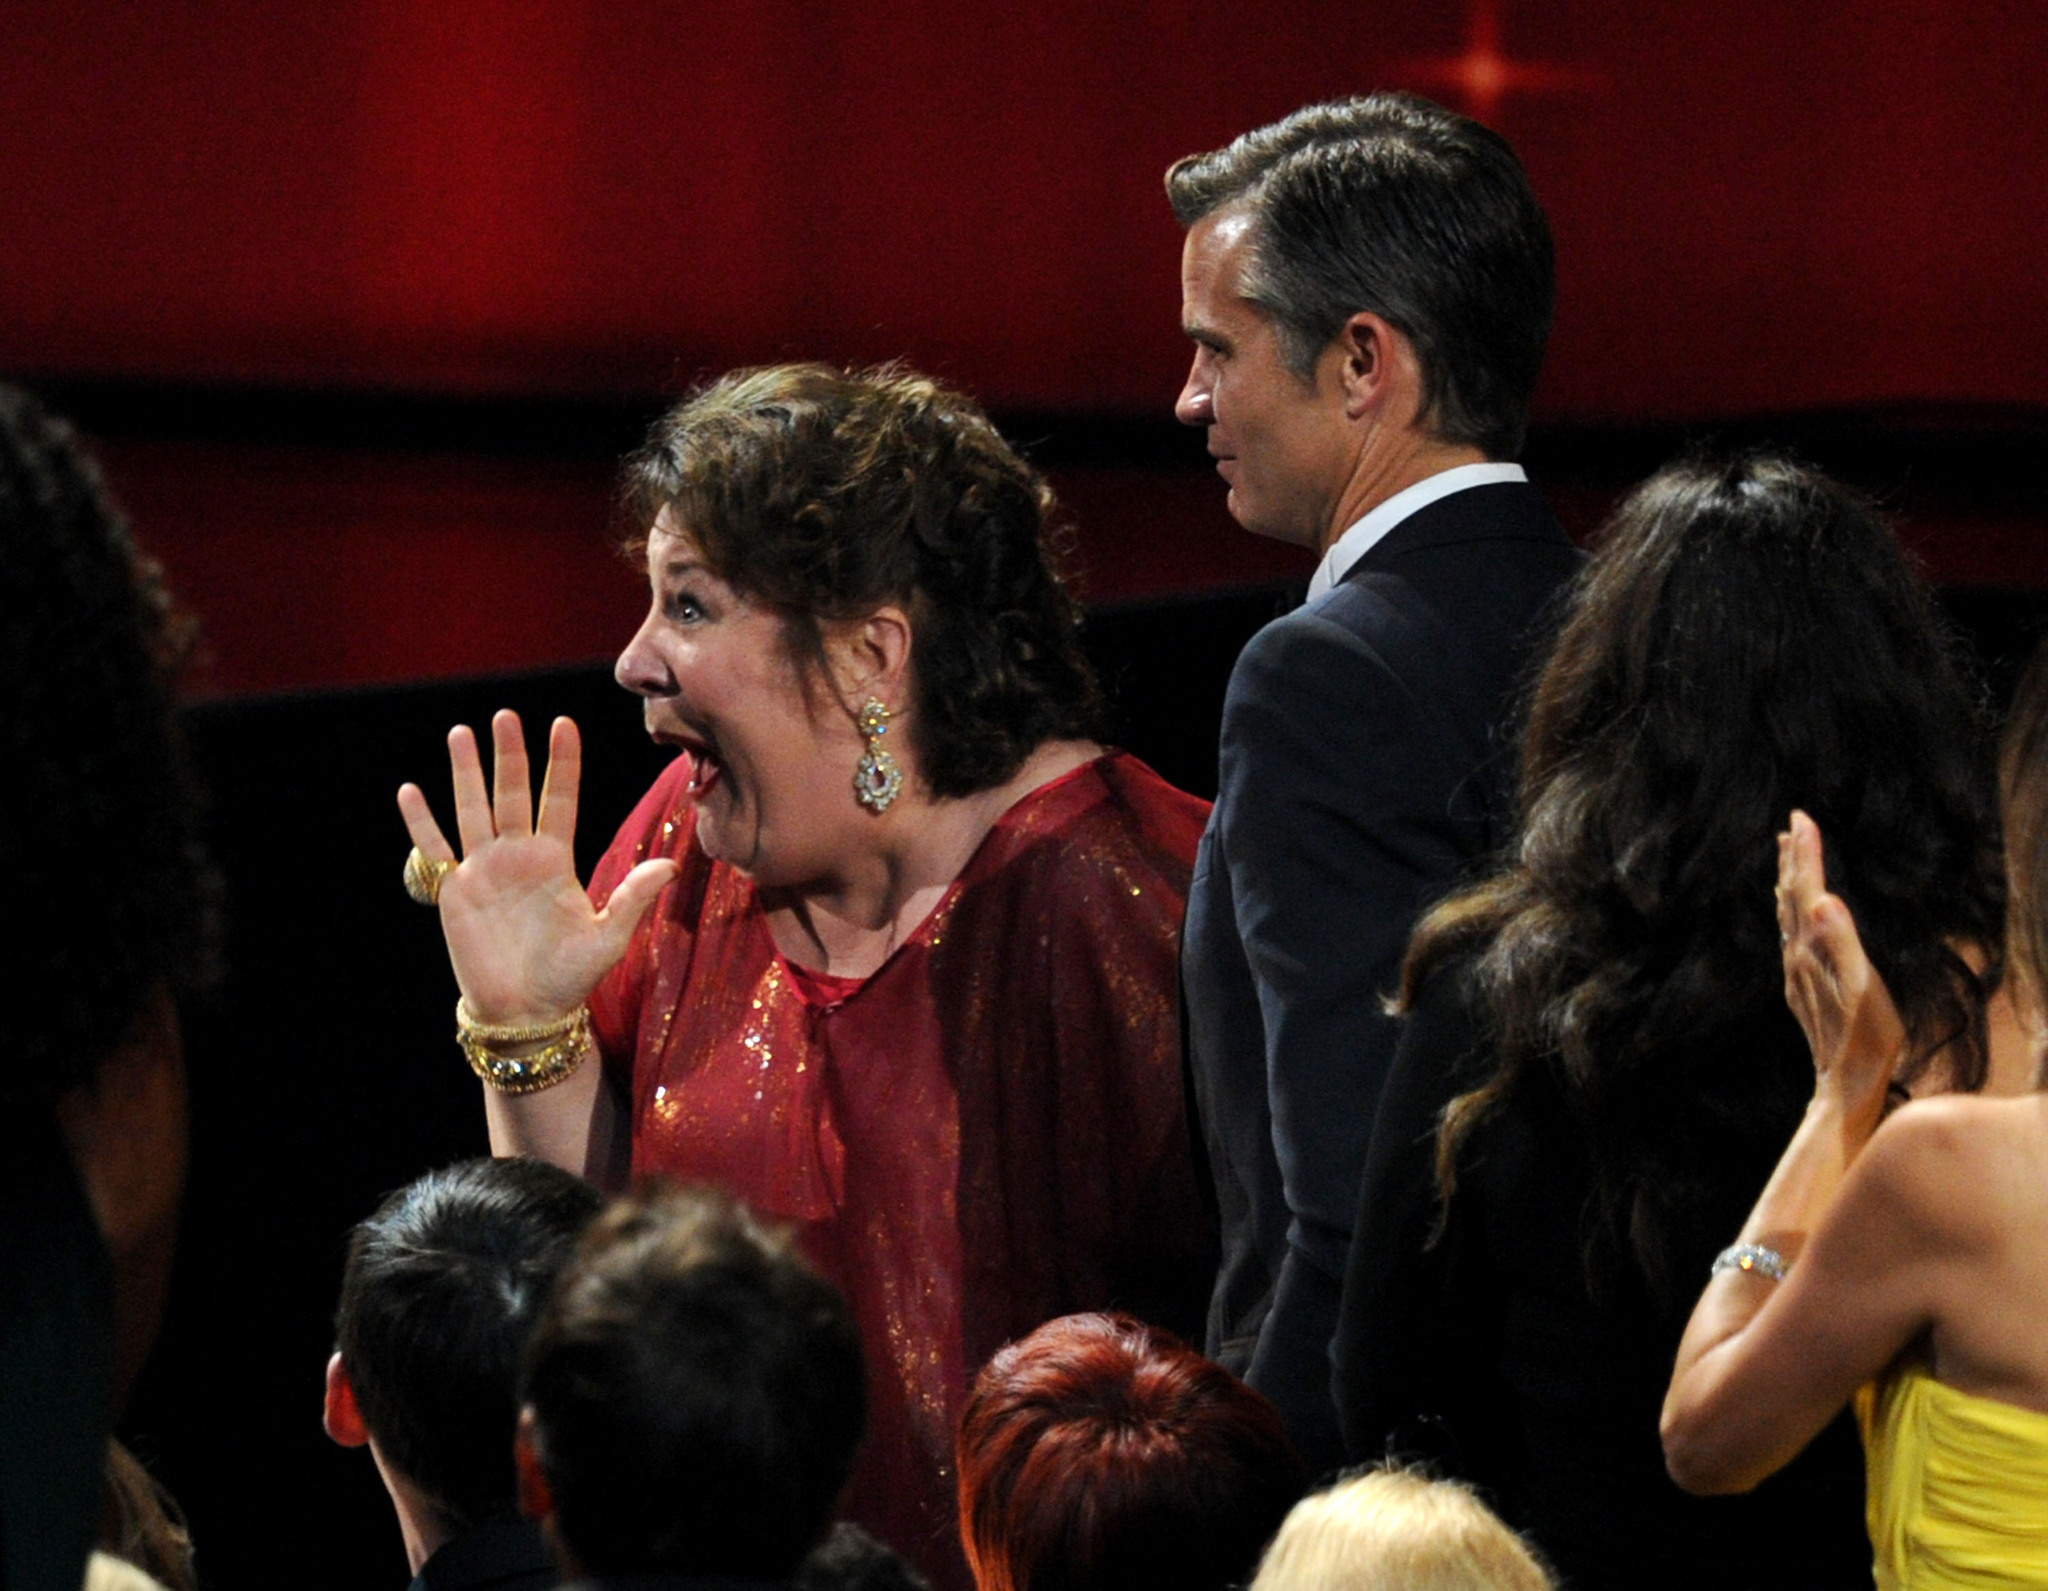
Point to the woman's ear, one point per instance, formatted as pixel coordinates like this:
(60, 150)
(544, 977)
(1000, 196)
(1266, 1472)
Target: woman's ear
(871, 658)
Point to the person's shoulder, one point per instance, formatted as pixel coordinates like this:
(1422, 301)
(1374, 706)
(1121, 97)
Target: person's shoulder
(1488, 547)
(1495, 511)
(1952, 1166)
(1941, 1129)
(1948, 1174)
(1309, 626)
(1140, 799)
(1111, 819)
(505, 1553)
(1331, 644)
(1112, 803)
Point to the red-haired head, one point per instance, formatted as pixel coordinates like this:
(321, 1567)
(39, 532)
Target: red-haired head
(1100, 1452)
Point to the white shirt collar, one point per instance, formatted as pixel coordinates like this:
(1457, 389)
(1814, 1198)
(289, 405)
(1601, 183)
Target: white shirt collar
(1362, 537)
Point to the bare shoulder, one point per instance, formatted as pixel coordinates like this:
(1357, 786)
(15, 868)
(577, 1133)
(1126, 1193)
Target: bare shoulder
(1972, 1169)
(1951, 1124)
(1959, 1163)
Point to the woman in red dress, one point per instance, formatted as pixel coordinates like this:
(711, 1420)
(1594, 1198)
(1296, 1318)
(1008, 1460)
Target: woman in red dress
(908, 978)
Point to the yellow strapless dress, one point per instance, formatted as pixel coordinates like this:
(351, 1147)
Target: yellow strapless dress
(1957, 1486)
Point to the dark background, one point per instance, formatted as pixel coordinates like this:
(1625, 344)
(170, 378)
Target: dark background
(360, 303)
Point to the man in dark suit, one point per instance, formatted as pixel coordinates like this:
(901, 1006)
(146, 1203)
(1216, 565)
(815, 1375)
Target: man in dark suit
(1368, 286)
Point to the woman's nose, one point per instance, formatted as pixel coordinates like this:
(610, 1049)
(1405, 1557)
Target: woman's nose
(641, 668)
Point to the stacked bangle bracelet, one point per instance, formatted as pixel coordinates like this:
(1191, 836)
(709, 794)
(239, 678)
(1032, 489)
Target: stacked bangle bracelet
(566, 1040)
(1752, 1258)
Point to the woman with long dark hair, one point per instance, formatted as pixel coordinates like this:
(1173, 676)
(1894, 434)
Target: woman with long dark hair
(1600, 1068)
(1905, 1255)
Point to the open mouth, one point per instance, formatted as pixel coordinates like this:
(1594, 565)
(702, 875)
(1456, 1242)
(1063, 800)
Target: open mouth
(706, 768)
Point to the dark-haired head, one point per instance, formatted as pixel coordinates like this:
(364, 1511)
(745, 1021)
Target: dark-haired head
(1390, 204)
(696, 1394)
(1748, 639)
(849, 1559)
(441, 1287)
(109, 900)
(1102, 1454)
(827, 493)
(99, 844)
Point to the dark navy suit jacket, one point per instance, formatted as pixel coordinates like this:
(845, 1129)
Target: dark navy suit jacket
(1366, 767)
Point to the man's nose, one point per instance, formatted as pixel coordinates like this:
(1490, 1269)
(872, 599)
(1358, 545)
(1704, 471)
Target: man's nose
(1195, 405)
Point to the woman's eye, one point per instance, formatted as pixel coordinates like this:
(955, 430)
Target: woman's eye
(684, 608)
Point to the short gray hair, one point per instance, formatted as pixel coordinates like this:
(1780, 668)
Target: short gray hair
(1393, 205)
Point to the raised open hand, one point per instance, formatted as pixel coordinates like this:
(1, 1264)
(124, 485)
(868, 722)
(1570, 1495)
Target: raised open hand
(526, 944)
(1851, 1024)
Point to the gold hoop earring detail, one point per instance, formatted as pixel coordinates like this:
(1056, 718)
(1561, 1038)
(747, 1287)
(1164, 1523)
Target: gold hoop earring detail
(877, 781)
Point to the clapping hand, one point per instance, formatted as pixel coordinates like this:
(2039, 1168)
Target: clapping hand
(1842, 1004)
(525, 941)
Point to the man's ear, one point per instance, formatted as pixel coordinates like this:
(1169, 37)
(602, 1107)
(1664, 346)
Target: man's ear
(536, 1502)
(871, 658)
(341, 1417)
(1374, 360)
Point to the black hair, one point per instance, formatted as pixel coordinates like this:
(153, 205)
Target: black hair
(1749, 639)
(99, 822)
(849, 1559)
(440, 1290)
(698, 1393)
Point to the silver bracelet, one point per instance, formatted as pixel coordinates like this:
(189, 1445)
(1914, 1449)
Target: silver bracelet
(1753, 1258)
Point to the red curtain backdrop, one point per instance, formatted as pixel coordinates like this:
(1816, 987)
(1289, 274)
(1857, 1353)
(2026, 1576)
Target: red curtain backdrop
(317, 567)
(1759, 206)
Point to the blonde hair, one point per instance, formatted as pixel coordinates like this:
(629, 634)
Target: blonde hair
(1397, 1530)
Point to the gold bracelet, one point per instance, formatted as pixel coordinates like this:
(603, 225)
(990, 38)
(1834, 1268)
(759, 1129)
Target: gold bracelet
(523, 1074)
(517, 1032)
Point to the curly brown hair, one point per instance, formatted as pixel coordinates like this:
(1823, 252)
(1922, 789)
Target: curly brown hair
(105, 882)
(826, 493)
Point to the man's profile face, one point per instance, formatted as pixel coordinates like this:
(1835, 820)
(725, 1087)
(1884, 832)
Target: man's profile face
(1277, 439)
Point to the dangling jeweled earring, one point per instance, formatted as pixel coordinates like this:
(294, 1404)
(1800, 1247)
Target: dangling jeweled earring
(877, 780)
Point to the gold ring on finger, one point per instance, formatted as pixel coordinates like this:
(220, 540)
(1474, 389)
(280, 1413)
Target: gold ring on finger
(423, 877)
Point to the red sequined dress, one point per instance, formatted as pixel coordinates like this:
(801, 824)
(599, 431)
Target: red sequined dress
(985, 1133)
